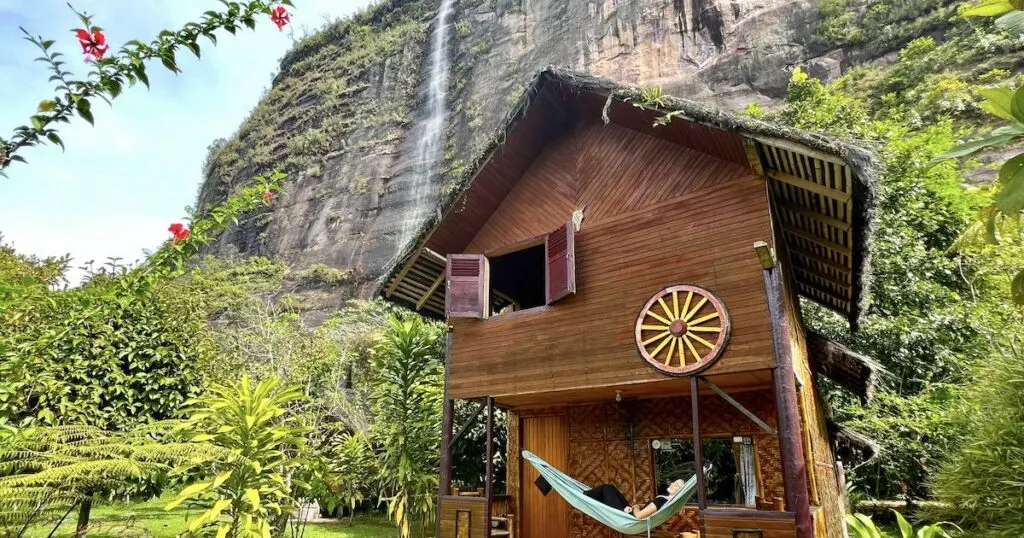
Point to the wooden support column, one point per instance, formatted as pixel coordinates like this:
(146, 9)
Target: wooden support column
(447, 422)
(794, 465)
(489, 466)
(698, 447)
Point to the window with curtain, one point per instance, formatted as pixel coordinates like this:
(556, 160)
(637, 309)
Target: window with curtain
(733, 479)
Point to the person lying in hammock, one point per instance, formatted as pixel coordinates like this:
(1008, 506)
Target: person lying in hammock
(610, 495)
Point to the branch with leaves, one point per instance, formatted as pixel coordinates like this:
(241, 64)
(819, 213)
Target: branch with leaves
(110, 74)
(1006, 104)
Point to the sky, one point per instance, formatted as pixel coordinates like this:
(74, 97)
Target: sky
(120, 184)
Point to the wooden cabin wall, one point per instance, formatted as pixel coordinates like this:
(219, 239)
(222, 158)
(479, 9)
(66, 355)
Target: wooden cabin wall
(822, 476)
(610, 443)
(655, 214)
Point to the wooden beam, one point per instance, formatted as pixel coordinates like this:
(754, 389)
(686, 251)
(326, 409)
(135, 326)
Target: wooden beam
(809, 185)
(764, 254)
(798, 148)
(401, 274)
(809, 257)
(489, 466)
(430, 291)
(794, 465)
(812, 214)
(698, 448)
(447, 412)
(760, 423)
(827, 243)
(465, 427)
(818, 287)
(753, 156)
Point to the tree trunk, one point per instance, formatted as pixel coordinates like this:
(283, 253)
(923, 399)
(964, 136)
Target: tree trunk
(83, 518)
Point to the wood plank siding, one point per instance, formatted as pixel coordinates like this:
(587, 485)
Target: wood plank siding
(463, 517)
(722, 523)
(655, 214)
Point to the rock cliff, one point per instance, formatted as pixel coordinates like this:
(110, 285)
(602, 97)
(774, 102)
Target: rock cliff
(350, 113)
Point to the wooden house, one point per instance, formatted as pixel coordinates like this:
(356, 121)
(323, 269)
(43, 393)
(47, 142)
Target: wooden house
(620, 272)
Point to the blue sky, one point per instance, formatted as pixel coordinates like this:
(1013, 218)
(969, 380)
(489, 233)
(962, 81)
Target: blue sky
(121, 183)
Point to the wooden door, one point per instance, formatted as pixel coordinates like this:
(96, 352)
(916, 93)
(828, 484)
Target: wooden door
(544, 517)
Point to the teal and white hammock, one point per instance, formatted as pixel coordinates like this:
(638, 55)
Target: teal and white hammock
(572, 491)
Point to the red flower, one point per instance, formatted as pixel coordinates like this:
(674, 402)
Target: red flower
(279, 15)
(179, 231)
(94, 45)
(267, 195)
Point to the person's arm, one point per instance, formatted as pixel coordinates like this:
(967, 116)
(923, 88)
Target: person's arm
(647, 511)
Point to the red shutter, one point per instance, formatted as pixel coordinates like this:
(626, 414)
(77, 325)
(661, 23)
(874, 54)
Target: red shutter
(560, 253)
(466, 295)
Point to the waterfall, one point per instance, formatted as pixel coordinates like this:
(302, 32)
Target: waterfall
(430, 141)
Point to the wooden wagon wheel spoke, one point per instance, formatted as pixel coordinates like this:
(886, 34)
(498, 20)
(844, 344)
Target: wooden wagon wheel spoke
(667, 331)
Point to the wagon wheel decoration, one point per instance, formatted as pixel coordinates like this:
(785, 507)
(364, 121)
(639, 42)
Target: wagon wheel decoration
(682, 330)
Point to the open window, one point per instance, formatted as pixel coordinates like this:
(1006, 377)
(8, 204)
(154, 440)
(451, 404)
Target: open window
(535, 273)
(733, 477)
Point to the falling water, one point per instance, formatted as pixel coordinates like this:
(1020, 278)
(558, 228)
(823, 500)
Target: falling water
(430, 142)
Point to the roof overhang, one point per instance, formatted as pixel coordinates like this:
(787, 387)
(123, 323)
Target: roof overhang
(853, 371)
(820, 187)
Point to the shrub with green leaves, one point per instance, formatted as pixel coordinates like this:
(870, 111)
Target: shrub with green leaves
(983, 481)
(408, 389)
(861, 526)
(249, 490)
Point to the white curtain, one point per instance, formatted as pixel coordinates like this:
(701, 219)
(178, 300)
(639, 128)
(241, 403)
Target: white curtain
(748, 474)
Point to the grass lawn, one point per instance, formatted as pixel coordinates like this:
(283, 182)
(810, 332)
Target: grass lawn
(149, 518)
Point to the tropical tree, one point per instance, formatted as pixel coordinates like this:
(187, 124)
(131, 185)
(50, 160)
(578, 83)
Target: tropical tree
(250, 488)
(353, 471)
(408, 389)
(49, 471)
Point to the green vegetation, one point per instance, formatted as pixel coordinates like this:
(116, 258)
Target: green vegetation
(319, 274)
(150, 518)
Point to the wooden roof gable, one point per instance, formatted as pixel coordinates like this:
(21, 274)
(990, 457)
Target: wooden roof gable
(820, 188)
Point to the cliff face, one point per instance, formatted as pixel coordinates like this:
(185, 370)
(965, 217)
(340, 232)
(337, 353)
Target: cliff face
(348, 113)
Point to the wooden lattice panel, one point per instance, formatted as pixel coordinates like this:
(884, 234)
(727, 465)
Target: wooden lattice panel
(812, 196)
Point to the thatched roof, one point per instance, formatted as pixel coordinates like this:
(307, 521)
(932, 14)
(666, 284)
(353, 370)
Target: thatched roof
(855, 372)
(853, 166)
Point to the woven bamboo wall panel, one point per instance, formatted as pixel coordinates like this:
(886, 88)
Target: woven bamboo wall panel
(512, 466)
(601, 451)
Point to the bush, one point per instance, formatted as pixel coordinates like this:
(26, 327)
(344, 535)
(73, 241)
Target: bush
(983, 481)
(323, 275)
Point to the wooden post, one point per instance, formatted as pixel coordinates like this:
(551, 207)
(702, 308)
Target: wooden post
(489, 481)
(447, 423)
(794, 466)
(698, 448)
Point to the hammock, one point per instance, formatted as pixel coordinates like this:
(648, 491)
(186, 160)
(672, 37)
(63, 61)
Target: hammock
(572, 491)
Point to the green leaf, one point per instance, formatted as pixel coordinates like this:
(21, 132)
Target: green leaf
(974, 146)
(85, 110)
(55, 138)
(987, 8)
(905, 529)
(1012, 23)
(114, 87)
(46, 105)
(991, 237)
(1010, 198)
(998, 101)
(253, 496)
(169, 64)
(221, 479)
(1017, 288)
(1017, 105)
(186, 493)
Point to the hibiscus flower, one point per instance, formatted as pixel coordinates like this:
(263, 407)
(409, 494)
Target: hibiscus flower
(179, 231)
(279, 15)
(94, 45)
